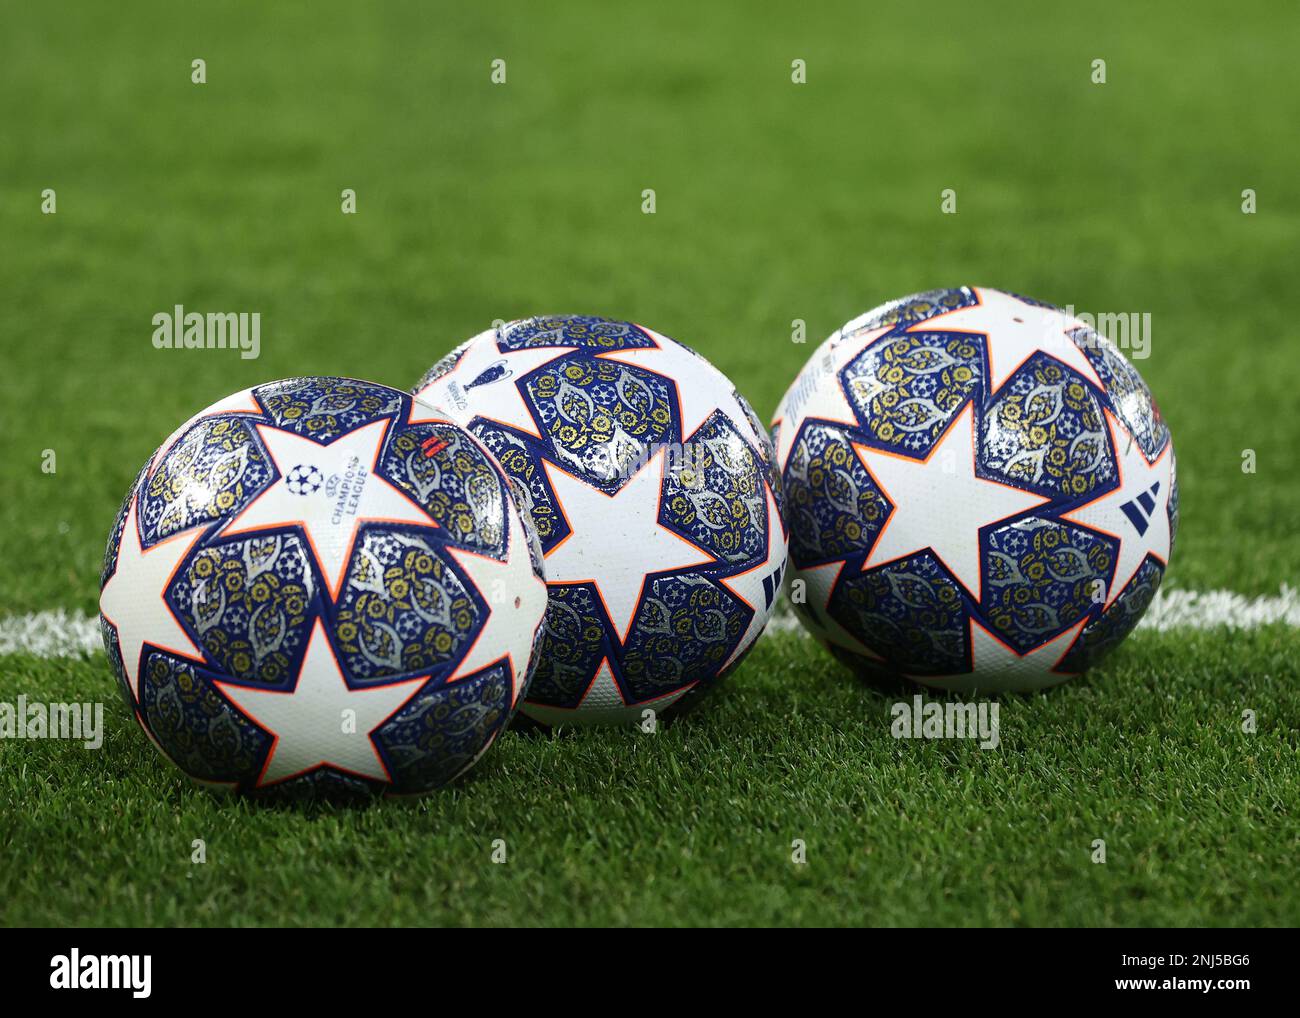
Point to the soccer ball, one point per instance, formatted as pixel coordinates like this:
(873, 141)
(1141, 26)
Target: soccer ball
(317, 585)
(650, 484)
(981, 491)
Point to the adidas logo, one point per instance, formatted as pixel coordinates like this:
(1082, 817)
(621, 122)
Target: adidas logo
(771, 585)
(1140, 509)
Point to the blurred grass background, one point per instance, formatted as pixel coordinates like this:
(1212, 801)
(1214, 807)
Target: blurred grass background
(775, 201)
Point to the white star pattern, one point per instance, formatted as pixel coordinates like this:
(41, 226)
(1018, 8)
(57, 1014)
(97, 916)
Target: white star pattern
(516, 599)
(331, 515)
(601, 704)
(499, 400)
(996, 667)
(1140, 481)
(1013, 332)
(818, 395)
(134, 598)
(701, 388)
(308, 724)
(940, 503)
(749, 585)
(612, 538)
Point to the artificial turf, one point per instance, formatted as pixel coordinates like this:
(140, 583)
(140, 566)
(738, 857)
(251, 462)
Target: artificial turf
(774, 202)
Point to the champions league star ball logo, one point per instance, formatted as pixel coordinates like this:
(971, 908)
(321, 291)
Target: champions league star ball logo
(304, 480)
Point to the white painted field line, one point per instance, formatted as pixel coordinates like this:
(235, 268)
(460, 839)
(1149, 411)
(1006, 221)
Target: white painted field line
(60, 633)
(1179, 609)
(57, 633)
(1205, 609)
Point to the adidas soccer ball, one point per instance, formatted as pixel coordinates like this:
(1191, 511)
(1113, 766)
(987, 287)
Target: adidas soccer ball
(981, 491)
(650, 484)
(318, 585)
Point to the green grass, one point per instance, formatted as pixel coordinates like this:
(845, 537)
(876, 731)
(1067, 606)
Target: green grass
(695, 824)
(775, 202)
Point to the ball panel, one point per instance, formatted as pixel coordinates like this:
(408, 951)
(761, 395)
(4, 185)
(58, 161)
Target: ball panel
(1173, 501)
(907, 390)
(713, 493)
(404, 608)
(588, 332)
(443, 730)
(907, 311)
(1129, 397)
(113, 649)
(599, 417)
(685, 629)
(249, 602)
(1041, 577)
(834, 507)
(1044, 432)
(1109, 628)
(576, 639)
(912, 610)
(325, 408)
(197, 728)
(209, 473)
(451, 478)
(520, 456)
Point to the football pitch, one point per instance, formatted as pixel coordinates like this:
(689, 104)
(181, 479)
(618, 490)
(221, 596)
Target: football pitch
(1162, 789)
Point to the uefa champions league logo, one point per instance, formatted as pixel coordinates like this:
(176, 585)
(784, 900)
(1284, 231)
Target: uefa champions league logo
(306, 479)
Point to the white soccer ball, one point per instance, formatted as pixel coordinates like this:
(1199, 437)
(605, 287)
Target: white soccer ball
(650, 485)
(981, 491)
(321, 585)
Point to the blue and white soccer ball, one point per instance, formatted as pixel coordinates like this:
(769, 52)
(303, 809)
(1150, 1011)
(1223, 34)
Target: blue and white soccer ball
(650, 485)
(320, 585)
(981, 491)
